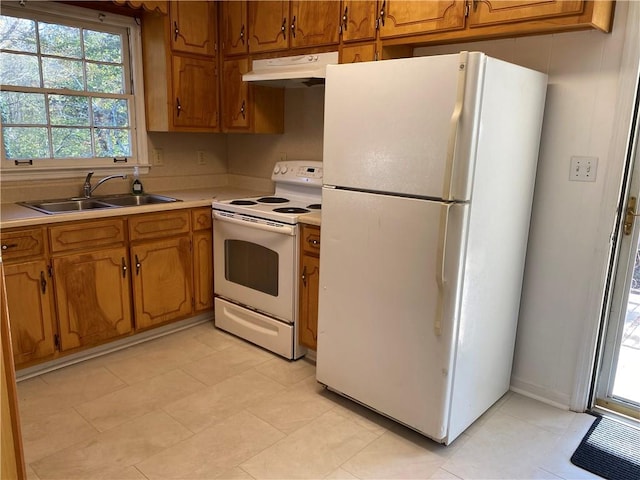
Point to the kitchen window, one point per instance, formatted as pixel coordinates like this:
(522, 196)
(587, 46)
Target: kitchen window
(67, 100)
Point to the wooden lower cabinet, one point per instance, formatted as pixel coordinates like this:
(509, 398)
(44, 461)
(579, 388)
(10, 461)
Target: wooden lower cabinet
(161, 281)
(309, 286)
(30, 303)
(92, 296)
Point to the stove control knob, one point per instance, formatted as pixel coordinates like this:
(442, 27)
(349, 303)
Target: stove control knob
(284, 169)
(277, 169)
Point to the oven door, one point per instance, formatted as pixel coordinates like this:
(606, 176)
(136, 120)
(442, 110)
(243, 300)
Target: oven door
(255, 263)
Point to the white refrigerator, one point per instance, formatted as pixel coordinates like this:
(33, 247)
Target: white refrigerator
(429, 170)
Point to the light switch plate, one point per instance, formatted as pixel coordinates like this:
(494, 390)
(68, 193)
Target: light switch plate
(583, 169)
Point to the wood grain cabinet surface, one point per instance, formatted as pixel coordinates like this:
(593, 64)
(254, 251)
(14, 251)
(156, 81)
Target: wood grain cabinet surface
(179, 55)
(309, 286)
(202, 259)
(29, 293)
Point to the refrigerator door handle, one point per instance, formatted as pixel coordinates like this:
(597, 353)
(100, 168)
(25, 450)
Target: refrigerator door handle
(454, 124)
(440, 271)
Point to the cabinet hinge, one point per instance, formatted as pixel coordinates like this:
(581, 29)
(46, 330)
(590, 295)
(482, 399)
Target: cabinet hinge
(56, 341)
(466, 10)
(50, 271)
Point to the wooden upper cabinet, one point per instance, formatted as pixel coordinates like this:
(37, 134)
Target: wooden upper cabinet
(399, 18)
(194, 93)
(235, 108)
(233, 28)
(358, 20)
(268, 26)
(490, 12)
(193, 27)
(314, 23)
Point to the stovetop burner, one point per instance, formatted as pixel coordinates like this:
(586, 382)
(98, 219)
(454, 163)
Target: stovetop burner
(243, 202)
(290, 210)
(272, 200)
(314, 206)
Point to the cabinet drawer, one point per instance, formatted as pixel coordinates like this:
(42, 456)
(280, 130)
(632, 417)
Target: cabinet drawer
(154, 225)
(22, 243)
(310, 239)
(94, 234)
(201, 218)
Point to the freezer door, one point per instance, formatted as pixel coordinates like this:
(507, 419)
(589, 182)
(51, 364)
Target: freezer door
(389, 271)
(392, 126)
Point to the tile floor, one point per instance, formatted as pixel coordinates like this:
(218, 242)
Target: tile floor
(201, 404)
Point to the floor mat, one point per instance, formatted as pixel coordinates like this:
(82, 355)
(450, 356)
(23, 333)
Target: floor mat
(610, 449)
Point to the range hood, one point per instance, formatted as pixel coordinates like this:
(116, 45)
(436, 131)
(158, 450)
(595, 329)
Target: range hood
(297, 71)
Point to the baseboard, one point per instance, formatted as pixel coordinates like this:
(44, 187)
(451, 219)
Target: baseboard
(544, 395)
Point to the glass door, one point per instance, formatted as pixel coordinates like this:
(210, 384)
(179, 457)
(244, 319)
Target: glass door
(617, 385)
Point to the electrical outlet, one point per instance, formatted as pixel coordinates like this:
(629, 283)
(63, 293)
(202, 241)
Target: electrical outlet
(158, 157)
(282, 157)
(200, 156)
(583, 169)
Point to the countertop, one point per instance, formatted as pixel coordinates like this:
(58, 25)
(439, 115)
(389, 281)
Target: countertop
(313, 218)
(13, 215)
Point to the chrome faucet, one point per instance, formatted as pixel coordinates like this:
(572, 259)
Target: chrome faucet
(87, 189)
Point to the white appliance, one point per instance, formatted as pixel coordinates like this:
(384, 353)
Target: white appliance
(255, 253)
(306, 70)
(429, 169)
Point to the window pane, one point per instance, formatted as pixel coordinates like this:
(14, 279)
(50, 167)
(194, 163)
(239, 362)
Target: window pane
(23, 108)
(112, 142)
(19, 70)
(69, 110)
(59, 40)
(104, 78)
(25, 142)
(110, 112)
(102, 47)
(17, 34)
(71, 142)
(62, 73)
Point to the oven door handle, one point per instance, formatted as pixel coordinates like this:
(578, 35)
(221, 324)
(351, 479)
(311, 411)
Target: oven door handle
(283, 229)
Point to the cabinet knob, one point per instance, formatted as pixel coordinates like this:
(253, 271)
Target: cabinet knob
(178, 107)
(7, 246)
(283, 28)
(382, 12)
(176, 31)
(242, 34)
(293, 27)
(304, 276)
(345, 18)
(242, 109)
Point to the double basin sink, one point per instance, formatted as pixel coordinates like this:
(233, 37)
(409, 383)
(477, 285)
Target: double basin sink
(81, 204)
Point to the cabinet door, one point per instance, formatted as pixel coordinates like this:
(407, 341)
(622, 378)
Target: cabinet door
(29, 301)
(488, 12)
(358, 21)
(233, 27)
(194, 93)
(399, 18)
(193, 27)
(161, 281)
(268, 26)
(92, 296)
(309, 290)
(203, 269)
(235, 103)
(314, 23)
(358, 53)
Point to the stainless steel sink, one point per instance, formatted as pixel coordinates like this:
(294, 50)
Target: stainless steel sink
(134, 200)
(68, 205)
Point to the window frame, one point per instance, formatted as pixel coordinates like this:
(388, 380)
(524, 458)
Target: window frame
(134, 93)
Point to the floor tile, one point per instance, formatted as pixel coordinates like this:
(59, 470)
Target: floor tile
(160, 356)
(139, 399)
(503, 448)
(214, 452)
(393, 456)
(222, 400)
(226, 363)
(112, 452)
(64, 388)
(313, 451)
(291, 409)
(287, 372)
(536, 413)
(47, 435)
